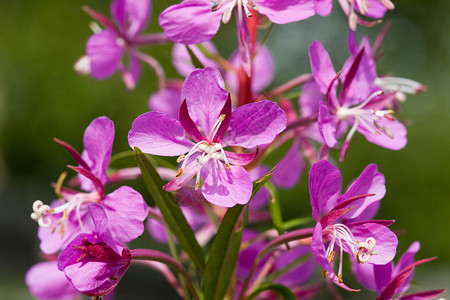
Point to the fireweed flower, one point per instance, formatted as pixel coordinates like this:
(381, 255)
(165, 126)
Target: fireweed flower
(361, 104)
(105, 49)
(67, 217)
(196, 21)
(206, 116)
(93, 262)
(345, 225)
(389, 280)
(374, 9)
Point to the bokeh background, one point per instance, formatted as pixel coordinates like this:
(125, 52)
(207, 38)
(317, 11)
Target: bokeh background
(41, 97)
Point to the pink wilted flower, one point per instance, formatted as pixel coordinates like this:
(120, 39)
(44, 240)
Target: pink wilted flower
(343, 221)
(93, 262)
(206, 116)
(361, 104)
(68, 216)
(197, 21)
(106, 47)
(374, 9)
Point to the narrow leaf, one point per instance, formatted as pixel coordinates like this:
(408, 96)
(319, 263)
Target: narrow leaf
(275, 209)
(223, 255)
(170, 210)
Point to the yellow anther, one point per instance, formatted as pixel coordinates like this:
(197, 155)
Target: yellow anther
(324, 273)
(180, 158)
(65, 216)
(340, 278)
(228, 166)
(179, 172)
(197, 185)
(222, 117)
(331, 257)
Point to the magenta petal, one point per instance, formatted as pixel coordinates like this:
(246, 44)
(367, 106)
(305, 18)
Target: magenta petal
(299, 274)
(189, 125)
(364, 273)
(126, 211)
(158, 134)
(286, 11)
(398, 130)
(190, 22)
(104, 53)
(405, 260)
(132, 16)
(262, 73)
(369, 182)
(205, 94)
(324, 183)
(182, 60)
(98, 141)
(166, 101)
(321, 66)
(240, 159)
(386, 241)
(224, 187)
(376, 9)
(255, 124)
(327, 125)
(188, 173)
(309, 99)
(46, 282)
(288, 170)
(324, 7)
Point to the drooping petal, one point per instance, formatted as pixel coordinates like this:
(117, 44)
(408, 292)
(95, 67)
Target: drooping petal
(376, 9)
(46, 282)
(369, 182)
(255, 124)
(321, 66)
(158, 134)
(288, 170)
(205, 94)
(126, 211)
(397, 131)
(327, 125)
(132, 16)
(225, 187)
(190, 22)
(364, 273)
(98, 141)
(104, 53)
(324, 183)
(286, 11)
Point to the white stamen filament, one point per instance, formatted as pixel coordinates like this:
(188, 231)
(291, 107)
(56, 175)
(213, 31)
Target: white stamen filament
(398, 84)
(229, 6)
(338, 234)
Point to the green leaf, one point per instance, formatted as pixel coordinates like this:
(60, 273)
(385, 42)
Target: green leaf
(170, 210)
(281, 291)
(275, 209)
(223, 255)
(260, 182)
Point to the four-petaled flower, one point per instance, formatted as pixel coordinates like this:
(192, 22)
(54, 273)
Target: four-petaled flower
(67, 217)
(206, 116)
(361, 104)
(343, 221)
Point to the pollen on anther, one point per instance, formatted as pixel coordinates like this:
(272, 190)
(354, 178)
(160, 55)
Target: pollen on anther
(340, 278)
(179, 172)
(324, 273)
(331, 257)
(180, 158)
(222, 117)
(197, 185)
(228, 166)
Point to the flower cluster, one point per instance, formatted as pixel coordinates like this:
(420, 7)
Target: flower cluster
(233, 144)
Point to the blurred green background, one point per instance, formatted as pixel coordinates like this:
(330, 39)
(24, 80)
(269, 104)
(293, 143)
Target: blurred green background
(41, 97)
